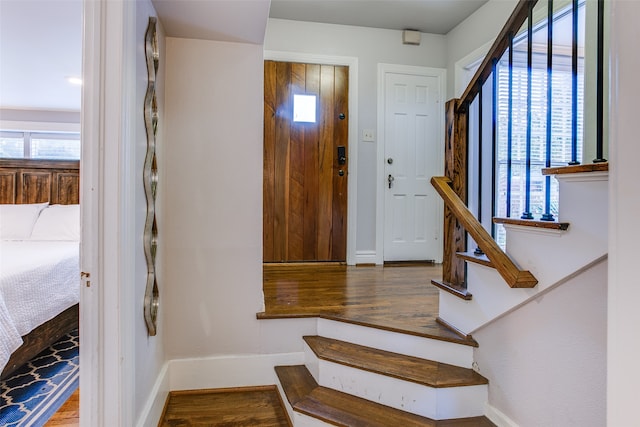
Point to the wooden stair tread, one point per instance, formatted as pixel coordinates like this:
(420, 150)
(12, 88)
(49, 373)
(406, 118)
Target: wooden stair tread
(478, 259)
(343, 409)
(441, 334)
(551, 225)
(296, 381)
(590, 167)
(400, 366)
(458, 291)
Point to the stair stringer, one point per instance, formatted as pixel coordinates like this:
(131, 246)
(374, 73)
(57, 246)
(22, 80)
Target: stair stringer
(551, 256)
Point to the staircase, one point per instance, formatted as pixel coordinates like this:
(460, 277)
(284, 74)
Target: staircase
(359, 375)
(356, 375)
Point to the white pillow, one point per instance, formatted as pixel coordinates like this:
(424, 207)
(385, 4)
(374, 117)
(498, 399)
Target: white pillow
(16, 221)
(58, 222)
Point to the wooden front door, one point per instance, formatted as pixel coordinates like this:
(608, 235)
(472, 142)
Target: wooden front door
(305, 163)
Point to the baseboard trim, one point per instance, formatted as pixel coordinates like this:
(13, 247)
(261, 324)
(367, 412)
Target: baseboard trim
(367, 257)
(154, 407)
(498, 417)
(228, 370)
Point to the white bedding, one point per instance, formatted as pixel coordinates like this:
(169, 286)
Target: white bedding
(38, 280)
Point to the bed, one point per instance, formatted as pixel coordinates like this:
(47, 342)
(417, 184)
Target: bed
(39, 262)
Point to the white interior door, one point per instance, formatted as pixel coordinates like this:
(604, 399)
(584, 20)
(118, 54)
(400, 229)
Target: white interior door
(411, 139)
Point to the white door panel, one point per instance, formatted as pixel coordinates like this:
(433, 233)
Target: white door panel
(412, 129)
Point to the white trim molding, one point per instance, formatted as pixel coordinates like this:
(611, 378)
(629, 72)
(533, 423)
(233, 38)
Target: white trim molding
(366, 257)
(106, 313)
(498, 417)
(352, 188)
(383, 69)
(153, 408)
(241, 370)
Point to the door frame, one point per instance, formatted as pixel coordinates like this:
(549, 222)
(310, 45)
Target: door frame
(106, 299)
(383, 70)
(352, 63)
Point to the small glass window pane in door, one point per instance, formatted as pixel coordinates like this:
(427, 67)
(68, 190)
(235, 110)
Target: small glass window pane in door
(304, 108)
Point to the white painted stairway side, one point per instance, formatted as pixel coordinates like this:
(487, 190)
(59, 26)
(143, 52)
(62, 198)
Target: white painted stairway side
(551, 256)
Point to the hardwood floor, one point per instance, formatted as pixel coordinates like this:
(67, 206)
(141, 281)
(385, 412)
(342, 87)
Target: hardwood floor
(399, 298)
(239, 407)
(69, 413)
(393, 298)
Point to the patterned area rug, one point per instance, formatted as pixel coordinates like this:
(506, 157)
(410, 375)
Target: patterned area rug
(38, 389)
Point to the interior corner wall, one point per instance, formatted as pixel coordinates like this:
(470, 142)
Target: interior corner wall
(475, 31)
(624, 293)
(546, 361)
(212, 189)
(149, 351)
(371, 46)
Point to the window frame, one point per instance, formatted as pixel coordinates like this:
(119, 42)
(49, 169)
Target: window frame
(29, 136)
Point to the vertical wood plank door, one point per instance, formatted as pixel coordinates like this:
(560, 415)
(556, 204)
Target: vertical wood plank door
(305, 181)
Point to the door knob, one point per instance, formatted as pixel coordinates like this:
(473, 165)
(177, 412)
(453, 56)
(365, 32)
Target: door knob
(390, 180)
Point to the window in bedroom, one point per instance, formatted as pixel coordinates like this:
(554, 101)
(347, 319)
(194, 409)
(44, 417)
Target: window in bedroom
(40, 145)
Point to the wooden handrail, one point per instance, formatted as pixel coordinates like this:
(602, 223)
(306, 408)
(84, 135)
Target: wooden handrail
(514, 277)
(499, 47)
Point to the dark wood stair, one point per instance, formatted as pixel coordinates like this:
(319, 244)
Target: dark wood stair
(400, 366)
(341, 409)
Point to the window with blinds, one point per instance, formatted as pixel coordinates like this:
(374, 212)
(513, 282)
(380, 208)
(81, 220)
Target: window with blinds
(40, 145)
(560, 132)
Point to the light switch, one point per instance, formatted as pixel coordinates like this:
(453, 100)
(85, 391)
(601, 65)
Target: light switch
(368, 135)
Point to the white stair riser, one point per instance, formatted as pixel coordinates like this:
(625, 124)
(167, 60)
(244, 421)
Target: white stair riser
(285, 401)
(435, 403)
(411, 345)
(301, 420)
(298, 419)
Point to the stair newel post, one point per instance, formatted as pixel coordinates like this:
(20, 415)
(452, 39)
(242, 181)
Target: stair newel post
(548, 216)
(455, 168)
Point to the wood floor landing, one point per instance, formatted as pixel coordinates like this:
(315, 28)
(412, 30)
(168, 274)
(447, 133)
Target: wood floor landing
(399, 299)
(238, 407)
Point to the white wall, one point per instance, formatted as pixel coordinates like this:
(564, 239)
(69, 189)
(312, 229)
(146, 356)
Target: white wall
(474, 32)
(624, 234)
(149, 351)
(371, 46)
(213, 210)
(546, 362)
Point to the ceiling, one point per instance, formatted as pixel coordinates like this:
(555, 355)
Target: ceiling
(41, 40)
(40, 46)
(427, 16)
